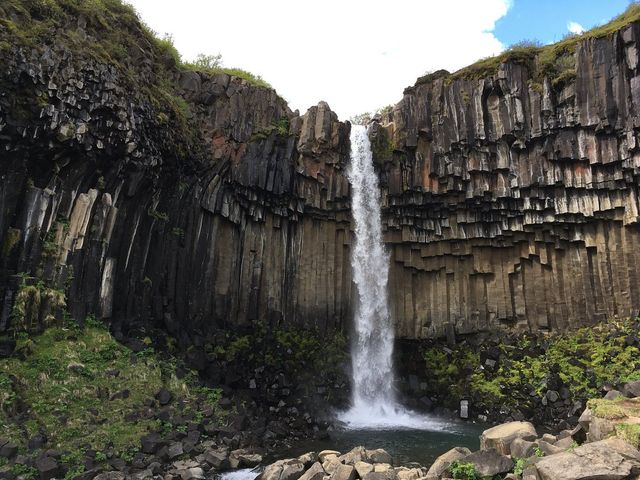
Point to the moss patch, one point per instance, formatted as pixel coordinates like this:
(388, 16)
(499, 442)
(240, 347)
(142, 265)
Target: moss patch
(81, 388)
(516, 373)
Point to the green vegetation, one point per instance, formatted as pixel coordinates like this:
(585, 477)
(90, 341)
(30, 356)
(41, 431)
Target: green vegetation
(212, 64)
(36, 306)
(519, 464)
(281, 128)
(463, 471)
(581, 361)
(83, 389)
(629, 432)
(555, 61)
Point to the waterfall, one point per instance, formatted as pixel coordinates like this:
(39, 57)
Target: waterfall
(374, 401)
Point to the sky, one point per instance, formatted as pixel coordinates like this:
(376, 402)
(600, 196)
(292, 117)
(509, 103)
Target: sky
(359, 55)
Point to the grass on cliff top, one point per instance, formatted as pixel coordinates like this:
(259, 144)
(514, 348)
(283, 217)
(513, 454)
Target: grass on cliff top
(120, 36)
(554, 61)
(80, 387)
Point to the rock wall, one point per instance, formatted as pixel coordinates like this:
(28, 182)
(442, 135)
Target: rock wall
(209, 204)
(511, 206)
(99, 203)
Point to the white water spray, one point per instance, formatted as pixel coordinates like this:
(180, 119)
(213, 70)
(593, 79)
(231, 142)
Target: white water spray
(374, 401)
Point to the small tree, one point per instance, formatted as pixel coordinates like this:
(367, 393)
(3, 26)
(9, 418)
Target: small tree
(207, 62)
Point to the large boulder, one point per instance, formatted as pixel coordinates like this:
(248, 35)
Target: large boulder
(357, 454)
(501, 436)
(343, 472)
(611, 459)
(443, 461)
(315, 472)
(379, 456)
(631, 389)
(362, 468)
(489, 462)
(289, 469)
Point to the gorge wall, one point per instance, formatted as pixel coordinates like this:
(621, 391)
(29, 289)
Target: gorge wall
(208, 204)
(515, 204)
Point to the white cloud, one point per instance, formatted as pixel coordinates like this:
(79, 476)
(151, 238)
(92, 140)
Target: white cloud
(575, 27)
(357, 55)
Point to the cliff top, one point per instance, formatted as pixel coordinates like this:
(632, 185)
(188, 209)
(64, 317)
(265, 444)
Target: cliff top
(554, 61)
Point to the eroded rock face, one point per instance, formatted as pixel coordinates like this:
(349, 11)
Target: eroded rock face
(508, 204)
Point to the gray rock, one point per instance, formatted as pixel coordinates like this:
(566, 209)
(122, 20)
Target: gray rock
(443, 461)
(218, 459)
(611, 459)
(344, 472)
(379, 455)
(612, 394)
(7, 449)
(48, 468)
(548, 448)
(193, 473)
(175, 450)
(489, 462)
(315, 472)
(110, 476)
(357, 454)
(631, 389)
(521, 448)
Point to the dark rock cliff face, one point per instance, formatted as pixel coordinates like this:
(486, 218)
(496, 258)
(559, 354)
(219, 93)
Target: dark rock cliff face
(511, 206)
(100, 202)
(505, 205)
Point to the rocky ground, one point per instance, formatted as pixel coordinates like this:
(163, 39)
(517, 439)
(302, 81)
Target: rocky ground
(603, 446)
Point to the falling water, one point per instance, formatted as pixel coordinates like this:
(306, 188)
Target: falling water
(374, 400)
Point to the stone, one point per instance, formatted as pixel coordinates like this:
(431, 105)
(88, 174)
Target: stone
(610, 459)
(110, 476)
(193, 473)
(548, 448)
(381, 467)
(8, 449)
(344, 472)
(315, 472)
(250, 460)
(308, 459)
(408, 473)
(175, 450)
(151, 443)
(631, 389)
(441, 463)
(552, 396)
(521, 448)
(48, 468)
(218, 459)
(164, 396)
(489, 462)
(501, 436)
(362, 468)
(322, 456)
(379, 455)
(612, 394)
(356, 454)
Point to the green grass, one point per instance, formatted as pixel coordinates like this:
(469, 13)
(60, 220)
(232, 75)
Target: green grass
(583, 361)
(555, 61)
(61, 387)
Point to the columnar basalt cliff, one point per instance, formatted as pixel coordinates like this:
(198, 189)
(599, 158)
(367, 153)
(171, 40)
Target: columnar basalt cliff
(146, 194)
(512, 199)
(205, 205)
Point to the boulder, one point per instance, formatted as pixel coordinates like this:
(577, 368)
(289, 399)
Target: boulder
(443, 461)
(175, 450)
(308, 459)
(404, 473)
(381, 467)
(611, 459)
(489, 462)
(612, 395)
(218, 459)
(521, 448)
(388, 475)
(289, 469)
(356, 454)
(322, 456)
(379, 456)
(549, 449)
(631, 389)
(48, 468)
(362, 468)
(331, 464)
(501, 436)
(344, 472)
(151, 443)
(7, 449)
(315, 472)
(193, 473)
